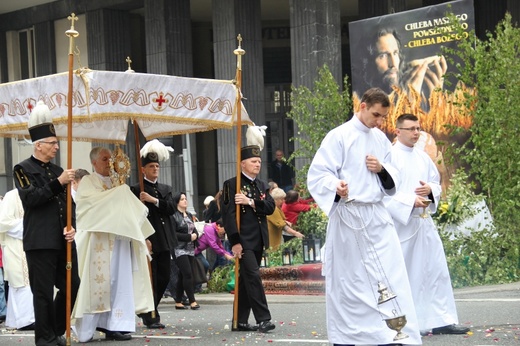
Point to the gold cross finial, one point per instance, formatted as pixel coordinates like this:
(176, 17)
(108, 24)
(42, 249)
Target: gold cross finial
(72, 18)
(129, 61)
(239, 39)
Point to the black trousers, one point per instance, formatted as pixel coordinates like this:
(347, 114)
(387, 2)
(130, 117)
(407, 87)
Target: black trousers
(251, 294)
(161, 262)
(185, 279)
(47, 269)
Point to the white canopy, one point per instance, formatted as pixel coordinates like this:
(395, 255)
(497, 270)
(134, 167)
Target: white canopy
(104, 102)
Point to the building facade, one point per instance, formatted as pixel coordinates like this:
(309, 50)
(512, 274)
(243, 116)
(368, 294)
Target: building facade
(286, 41)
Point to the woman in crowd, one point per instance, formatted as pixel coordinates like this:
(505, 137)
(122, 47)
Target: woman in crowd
(185, 251)
(212, 239)
(292, 207)
(276, 222)
(213, 213)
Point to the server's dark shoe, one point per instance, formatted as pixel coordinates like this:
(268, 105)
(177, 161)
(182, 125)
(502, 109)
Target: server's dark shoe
(27, 327)
(117, 336)
(61, 340)
(450, 329)
(245, 327)
(265, 326)
(156, 325)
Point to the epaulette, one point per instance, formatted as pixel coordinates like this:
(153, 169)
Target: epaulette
(23, 181)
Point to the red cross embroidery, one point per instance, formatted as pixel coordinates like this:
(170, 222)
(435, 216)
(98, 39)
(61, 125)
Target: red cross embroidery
(160, 100)
(30, 107)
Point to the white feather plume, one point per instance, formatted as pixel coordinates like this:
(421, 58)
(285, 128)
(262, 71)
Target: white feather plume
(40, 114)
(255, 135)
(154, 146)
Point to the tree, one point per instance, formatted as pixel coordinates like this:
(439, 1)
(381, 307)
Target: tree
(315, 113)
(491, 71)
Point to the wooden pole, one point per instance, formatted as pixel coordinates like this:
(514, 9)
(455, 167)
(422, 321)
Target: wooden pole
(141, 189)
(71, 33)
(238, 79)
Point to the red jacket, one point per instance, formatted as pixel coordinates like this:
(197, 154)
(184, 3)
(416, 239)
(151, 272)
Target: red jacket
(292, 210)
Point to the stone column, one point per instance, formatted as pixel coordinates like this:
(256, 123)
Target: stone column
(169, 51)
(230, 18)
(168, 37)
(108, 40)
(44, 42)
(513, 6)
(315, 40)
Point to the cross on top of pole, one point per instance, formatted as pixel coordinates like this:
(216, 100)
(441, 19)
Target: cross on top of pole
(72, 18)
(71, 33)
(239, 52)
(129, 62)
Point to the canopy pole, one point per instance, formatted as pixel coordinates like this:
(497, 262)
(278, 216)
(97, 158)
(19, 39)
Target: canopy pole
(141, 189)
(238, 80)
(71, 33)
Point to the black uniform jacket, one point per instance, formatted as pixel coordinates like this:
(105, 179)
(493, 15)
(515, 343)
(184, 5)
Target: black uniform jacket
(45, 205)
(253, 222)
(164, 238)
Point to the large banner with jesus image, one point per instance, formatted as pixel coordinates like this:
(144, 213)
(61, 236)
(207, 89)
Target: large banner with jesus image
(402, 54)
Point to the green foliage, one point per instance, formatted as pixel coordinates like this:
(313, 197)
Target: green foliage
(294, 245)
(459, 203)
(481, 259)
(313, 222)
(219, 278)
(315, 113)
(492, 151)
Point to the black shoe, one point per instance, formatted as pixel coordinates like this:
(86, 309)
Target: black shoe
(450, 329)
(195, 307)
(183, 307)
(265, 326)
(118, 336)
(27, 327)
(61, 340)
(156, 325)
(244, 327)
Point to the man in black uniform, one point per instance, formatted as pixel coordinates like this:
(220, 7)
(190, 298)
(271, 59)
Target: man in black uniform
(158, 198)
(42, 188)
(248, 242)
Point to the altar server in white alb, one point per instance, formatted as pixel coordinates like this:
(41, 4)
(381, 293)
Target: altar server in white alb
(348, 178)
(20, 311)
(422, 247)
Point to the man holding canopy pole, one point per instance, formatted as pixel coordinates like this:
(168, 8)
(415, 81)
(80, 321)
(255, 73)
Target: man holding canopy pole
(250, 238)
(42, 188)
(158, 199)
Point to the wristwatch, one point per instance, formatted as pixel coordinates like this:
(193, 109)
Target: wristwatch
(250, 202)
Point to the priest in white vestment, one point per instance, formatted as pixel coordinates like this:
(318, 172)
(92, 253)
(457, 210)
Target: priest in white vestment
(422, 247)
(20, 311)
(348, 178)
(112, 255)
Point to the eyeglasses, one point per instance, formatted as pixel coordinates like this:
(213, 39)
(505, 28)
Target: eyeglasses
(53, 143)
(418, 129)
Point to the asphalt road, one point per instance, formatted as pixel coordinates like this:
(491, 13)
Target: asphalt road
(492, 313)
